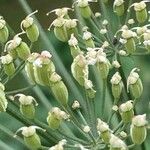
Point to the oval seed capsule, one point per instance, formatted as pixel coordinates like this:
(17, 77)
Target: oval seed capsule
(129, 35)
(71, 27)
(18, 48)
(59, 89)
(84, 8)
(138, 129)
(29, 66)
(4, 33)
(89, 88)
(55, 118)
(134, 84)
(30, 136)
(3, 100)
(87, 37)
(141, 12)
(117, 86)
(27, 107)
(8, 64)
(30, 27)
(119, 7)
(104, 130)
(126, 111)
(103, 66)
(79, 69)
(43, 68)
(60, 29)
(74, 48)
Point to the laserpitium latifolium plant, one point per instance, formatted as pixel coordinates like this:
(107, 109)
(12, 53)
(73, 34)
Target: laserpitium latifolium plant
(97, 69)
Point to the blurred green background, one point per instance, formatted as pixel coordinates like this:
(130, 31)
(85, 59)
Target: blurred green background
(13, 13)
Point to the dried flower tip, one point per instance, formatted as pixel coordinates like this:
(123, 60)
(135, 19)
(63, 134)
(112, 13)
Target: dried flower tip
(123, 134)
(59, 22)
(133, 77)
(59, 146)
(122, 53)
(60, 12)
(26, 100)
(117, 143)
(139, 6)
(46, 54)
(81, 60)
(86, 129)
(126, 106)
(116, 64)
(87, 35)
(103, 31)
(131, 21)
(105, 22)
(141, 30)
(76, 105)
(115, 108)
(127, 34)
(116, 78)
(82, 3)
(105, 44)
(29, 131)
(118, 2)
(73, 41)
(71, 23)
(102, 126)
(123, 41)
(97, 14)
(146, 34)
(88, 84)
(146, 43)
(139, 120)
(7, 59)
(91, 56)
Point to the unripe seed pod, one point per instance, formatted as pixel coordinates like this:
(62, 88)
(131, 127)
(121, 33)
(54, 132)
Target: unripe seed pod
(129, 35)
(26, 105)
(29, 66)
(59, 89)
(126, 111)
(89, 88)
(71, 27)
(30, 27)
(55, 118)
(79, 69)
(138, 129)
(3, 31)
(84, 8)
(103, 66)
(8, 64)
(117, 144)
(104, 130)
(60, 29)
(30, 136)
(119, 7)
(134, 84)
(3, 100)
(117, 86)
(141, 12)
(18, 48)
(23, 51)
(87, 37)
(74, 48)
(43, 68)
